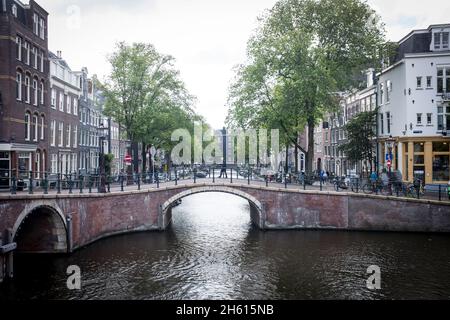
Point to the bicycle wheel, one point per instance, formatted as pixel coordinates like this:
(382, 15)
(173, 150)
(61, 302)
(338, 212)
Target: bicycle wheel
(368, 189)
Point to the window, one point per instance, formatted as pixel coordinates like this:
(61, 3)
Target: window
(42, 28)
(27, 53)
(53, 133)
(61, 134)
(35, 128)
(19, 86)
(388, 90)
(68, 101)
(68, 135)
(443, 119)
(35, 92)
(54, 164)
(419, 119)
(37, 164)
(41, 61)
(27, 89)
(381, 93)
(443, 80)
(14, 10)
(429, 81)
(445, 36)
(36, 24)
(381, 123)
(75, 107)
(388, 120)
(61, 101)
(43, 127)
(429, 119)
(19, 48)
(419, 82)
(27, 126)
(75, 137)
(35, 53)
(42, 93)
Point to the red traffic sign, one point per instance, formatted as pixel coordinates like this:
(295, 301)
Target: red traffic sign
(389, 163)
(127, 158)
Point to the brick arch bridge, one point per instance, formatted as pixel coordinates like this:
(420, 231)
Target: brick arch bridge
(62, 223)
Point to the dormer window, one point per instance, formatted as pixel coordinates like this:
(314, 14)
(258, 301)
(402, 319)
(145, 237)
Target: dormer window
(441, 40)
(14, 10)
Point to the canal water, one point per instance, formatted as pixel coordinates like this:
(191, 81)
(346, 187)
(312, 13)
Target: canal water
(213, 252)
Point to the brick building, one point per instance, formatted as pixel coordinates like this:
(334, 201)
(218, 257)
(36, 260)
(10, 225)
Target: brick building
(24, 89)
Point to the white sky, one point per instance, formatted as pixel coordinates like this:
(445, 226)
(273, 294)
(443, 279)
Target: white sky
(207, 37)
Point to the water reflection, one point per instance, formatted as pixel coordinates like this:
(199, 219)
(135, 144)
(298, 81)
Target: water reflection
(213, 252)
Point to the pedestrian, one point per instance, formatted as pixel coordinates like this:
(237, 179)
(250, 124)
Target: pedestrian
(223, 172)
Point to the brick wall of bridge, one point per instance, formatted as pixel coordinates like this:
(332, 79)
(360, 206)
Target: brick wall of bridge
(97, 216)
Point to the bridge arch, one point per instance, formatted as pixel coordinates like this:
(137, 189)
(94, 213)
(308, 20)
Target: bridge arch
(41, 228)
(256, 207)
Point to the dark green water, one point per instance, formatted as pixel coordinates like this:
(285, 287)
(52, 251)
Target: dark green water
(213, 252)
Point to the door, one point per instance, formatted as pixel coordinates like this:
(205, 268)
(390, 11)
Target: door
(4, 170)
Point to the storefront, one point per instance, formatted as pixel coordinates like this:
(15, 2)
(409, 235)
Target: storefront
(18, 160)
(426, 159)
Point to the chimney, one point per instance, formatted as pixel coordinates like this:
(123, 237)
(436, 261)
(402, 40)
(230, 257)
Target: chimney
(59, 53)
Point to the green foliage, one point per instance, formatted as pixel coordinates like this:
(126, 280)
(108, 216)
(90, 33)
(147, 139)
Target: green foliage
(361, 134)
(302, 54)
(109, 158)
(145, 95)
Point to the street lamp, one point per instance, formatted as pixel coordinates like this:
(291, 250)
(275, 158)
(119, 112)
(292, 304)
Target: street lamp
(102, 137)
(390, 145)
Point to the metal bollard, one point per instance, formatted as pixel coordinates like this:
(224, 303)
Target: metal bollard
(90, 184)
(139, 181)
(285, 181)
(248, 176)
(176, 177)
(121, 182)
(70, 184)
(46, 183)
(267, 181)
(440, 197)
(157, 181)
(14, 185)
(321, 185)
(231, 175)
(81, 181)
(30, 187)
(214, 176)
(58, 183)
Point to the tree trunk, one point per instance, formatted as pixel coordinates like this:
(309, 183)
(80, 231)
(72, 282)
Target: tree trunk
(135, 156)
(310, 153)
(144, 158)
(286, 165)
(296, 159)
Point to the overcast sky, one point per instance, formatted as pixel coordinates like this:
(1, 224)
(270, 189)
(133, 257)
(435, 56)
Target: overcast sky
(207, 37)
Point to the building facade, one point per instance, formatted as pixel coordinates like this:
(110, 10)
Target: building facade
(64, 116)
(24, 90)
(414, 107)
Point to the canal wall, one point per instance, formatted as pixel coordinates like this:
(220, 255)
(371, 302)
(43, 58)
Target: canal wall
(88, 217)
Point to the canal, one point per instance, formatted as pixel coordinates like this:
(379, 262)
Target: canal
(213, 252)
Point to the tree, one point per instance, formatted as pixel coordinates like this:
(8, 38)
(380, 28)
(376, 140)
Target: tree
(361, 134)
(302, 54)
(145, 95)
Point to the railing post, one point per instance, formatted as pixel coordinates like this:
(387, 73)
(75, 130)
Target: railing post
(248, 176)
(108, 181)
(139, 181)
(58, 183)
(195, 175)
(304, 183)
(30, 187)
(321, 184)
(231, 170)
(121, 182)
(14, 184)
(214, 175)
(267, 181)
(176, 176)
(440, 198)
(157, 180)
(90, 183)
(70, 184)
(46, 183)
(285, 181)
(80, 181)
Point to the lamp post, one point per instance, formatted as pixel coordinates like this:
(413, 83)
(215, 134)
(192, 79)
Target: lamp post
(390, 145)
(102, 173)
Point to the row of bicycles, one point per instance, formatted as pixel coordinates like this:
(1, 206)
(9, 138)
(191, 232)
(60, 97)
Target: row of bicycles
(397, 188)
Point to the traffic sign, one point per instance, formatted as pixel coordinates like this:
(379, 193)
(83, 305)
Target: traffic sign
(389, 156)
(128, 159)
(389, 163)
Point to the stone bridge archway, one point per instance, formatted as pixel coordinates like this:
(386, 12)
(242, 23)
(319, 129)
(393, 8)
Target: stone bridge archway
(256, 207)
(41, 228)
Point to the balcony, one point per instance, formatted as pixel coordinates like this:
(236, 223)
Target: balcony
(446, 96)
